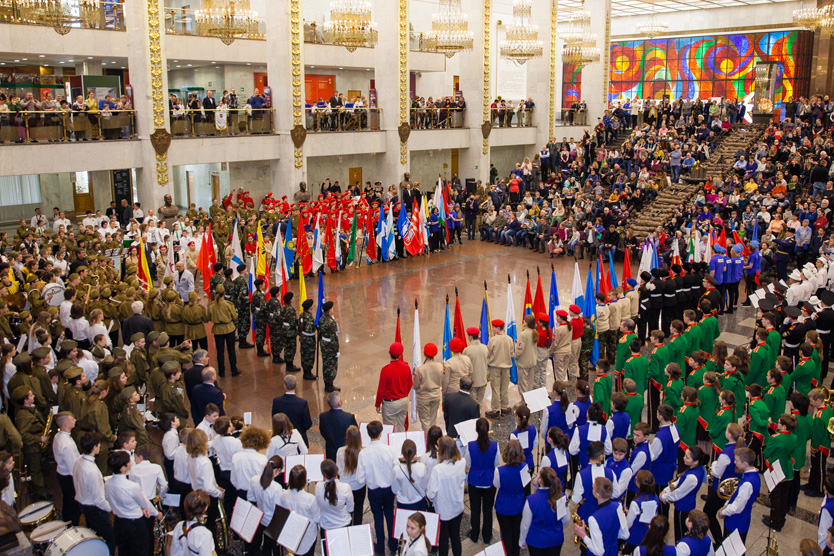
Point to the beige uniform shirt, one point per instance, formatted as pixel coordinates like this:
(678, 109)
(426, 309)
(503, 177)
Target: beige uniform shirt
(428, 381)
(562, 335)
(477, 353)
(526, 356)
(633, 297)
(613, 316)
(457, 367)
(625, 309)
(500, 351)
(603, 314)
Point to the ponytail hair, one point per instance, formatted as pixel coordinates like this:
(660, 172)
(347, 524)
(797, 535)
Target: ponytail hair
(482, 429)
(645, 482)
(737, 432)
(409, 452)
(561, 390)
(558, 438)
(420, 520)
(329, 471)
(273, 463)
(523, 415)
(551, 482)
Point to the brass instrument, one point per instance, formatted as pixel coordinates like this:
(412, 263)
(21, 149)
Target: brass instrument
(772, 547)
(710, 477)
(826, 392)
(831, 428)
(221, 529)
(674, 480)
(574, 514)
(727, 488)
(47, 432)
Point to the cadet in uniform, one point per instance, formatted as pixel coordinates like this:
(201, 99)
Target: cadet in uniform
(31, 425)
(222, 315)
(240, 298)
(289, 324)
(784, 249)
(273, 317)
(195, 316)
(260, 315)
(307, 327)
(329, 336)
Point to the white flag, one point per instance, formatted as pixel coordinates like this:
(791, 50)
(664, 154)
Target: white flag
(416, 357)
(339, 238)
(424, 228)
(576, 289)
(646, 258)
(318, 255)
(278, 261)
(170, 264)
(237, 253)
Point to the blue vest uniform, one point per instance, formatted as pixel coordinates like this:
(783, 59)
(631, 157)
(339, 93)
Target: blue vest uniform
(668, 550)
(545, 529)
(482, 468)
(582, 431)
(697, 547)
(622, 424)
(663, 468)
(609, 523)
(531, 437)
(590, 506)
(510, 497)
(582, 418)
(560, 471)
(639, 449)
(556, 418)
(617, 467)
(687, 503)
(730, 471)
(741, 521)
(638, 529)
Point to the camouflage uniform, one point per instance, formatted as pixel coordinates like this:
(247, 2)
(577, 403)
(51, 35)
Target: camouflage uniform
(289, 323)
(588, 335)
(307, 328)
(276, 334)
(216, 278)
(329, 335)
(240, 299)
(261, 317)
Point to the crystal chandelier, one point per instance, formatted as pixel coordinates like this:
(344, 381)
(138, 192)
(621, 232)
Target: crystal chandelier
(826, 21)
(810, 18)
(652, 27)
(351, 24)
(61, 15)
(226, 20)
(522, 40)
(450, 32)
(580, 43)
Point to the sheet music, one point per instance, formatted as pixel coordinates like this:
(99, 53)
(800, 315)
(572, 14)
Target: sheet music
(247, 418)
(245, 519)
(366, 439)
(361, 543)
(561, 507)
(525, 476)
(770, 480)
(649, 511)
(561, 458)
(733, 545)
(754, 300)
(523, 439)
(675, 434)
(496, 549)
(22, 342)
(293, 531)
(432, 524)
(466, 431)
(537, 400)
(338, 542)
(396, 440)
(171, 500)
(310, 462)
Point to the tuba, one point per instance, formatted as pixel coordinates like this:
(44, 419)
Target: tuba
(574, 514)
(47, 432)
(221, 529)
(826, 392)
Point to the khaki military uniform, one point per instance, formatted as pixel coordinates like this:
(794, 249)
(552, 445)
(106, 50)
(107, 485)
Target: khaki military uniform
(31, 425)
(95, 417)
(132, 421)
(456, 368)
(428, 384)
(10, 439)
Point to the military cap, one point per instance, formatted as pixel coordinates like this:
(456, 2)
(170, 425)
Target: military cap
(792, 311)
(73, 372)
(327, 306)
(21, 358)
(228, 272)
(130, 292)
(98, 352)
(152, 335)
(192, 296)
(41, 352)
(82, 268)
(64, 364)
(105, 292)
(164, 358)
(307, 304)
(31, 278)
(107, 360)
(153, 293)
(827, 297)
(119, 352)
(115, 372)
(221, 289)
(288, 297)
(170, 366)
(21, 393)
(136, 337)
(259, 282)
(163, 338)
(168, 279)
(170, 295)
(127, 393)
(69, 345)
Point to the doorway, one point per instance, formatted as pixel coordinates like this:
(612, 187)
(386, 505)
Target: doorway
(454, 162)
(82, 193)
(215, 185)
(355, 177)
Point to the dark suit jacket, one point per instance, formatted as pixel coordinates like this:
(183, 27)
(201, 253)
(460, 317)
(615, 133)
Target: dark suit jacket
(333, 424)
(192, 378)
(459, 407)
(202, 395)
(297, 410)
(134, 324)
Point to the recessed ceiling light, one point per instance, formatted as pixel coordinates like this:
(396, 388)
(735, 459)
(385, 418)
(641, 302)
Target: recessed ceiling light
(89, 57)
(367, 69)
(24, 59)
(341, 68)
(17, 60)
(248, 64)
(123, 67)
(189, 65)
(214, 62)
(2, 63)
(46, 65)
(179, 66)
(312, 67)
(175, 61)
(113, 62)
(70, 61)
(41, 55)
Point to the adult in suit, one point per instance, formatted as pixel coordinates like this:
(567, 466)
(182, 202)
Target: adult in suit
(205, 393)
(209, 105)
(184, 280)
(136, 323)
(293, 407)
(125, 213)
(459, 407)
(194, 375)
(111, 210)
(334, 424)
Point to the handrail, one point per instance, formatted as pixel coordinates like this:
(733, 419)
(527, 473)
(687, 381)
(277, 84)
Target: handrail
(323, 119)
(61, 126)
(238, 121)
(111, 16)
(433, 117)
(499, 116)
(181, 21)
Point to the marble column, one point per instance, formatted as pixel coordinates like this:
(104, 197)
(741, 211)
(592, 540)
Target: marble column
(538, 74)
(281, 17)
(475, 66)
(149, 80)
(594, 76)
(389, 84)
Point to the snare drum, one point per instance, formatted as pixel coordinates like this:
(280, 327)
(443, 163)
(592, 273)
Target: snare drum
(36, 514)
(78, 541)
(44, 534)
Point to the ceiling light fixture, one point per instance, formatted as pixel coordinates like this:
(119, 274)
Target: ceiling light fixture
(61, 15)
(652, 27)
(351, 25)
(580, 43)
(522, 39)
(226, 20)
(450, 32)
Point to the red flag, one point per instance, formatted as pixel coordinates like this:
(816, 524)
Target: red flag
(397, 335)
(538, 301)
(330, 239)
(203, 264)
(528, 298)
(416, 225)
(302, 248)
(737, 239)
(604, 279)
(722, 239)
(371, 234)
(626, 268)
(459, 330)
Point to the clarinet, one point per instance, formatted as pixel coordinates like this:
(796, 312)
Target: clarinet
(401, 544)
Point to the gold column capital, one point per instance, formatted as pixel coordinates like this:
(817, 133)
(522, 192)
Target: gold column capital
(402, 18)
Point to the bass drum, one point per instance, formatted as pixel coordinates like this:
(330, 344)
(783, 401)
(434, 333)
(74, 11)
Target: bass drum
(78, 541)
(43, 535)
(53, 294)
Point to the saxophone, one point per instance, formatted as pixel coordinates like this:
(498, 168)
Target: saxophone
(574, 514)
(47, 432)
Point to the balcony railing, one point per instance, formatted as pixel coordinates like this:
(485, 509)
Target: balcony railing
(64, 126)
(222, 123)
(511, 117)
(181, 21)
(572, 117)
(342, 119)
(111, 16)
(437, 118)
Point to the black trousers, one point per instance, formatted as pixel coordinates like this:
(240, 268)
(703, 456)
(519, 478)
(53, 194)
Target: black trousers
(481, 500)
(200, 343)
(722, 293)
(382, 507)
(779, 504)
(223, 342)
(99, 521)
(793, 494)
(732, 295)
(653, 404)
(667, 316)
(510, 532)
(679, 518)
(816, 479)
(549, 551)
(826, 354)
(132, 536)
(359, 505)
(70, 510)
(711, 507)
(450, 533)
(262, 545)
(177, 340)
(653, 319)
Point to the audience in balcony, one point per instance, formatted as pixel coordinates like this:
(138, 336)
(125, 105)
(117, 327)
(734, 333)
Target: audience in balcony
(338, 114)
(503, 112)
(436, 114)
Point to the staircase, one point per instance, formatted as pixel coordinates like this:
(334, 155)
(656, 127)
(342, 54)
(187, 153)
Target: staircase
(660, 210)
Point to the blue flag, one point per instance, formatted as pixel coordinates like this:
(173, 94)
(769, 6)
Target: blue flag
(655, 260)
(289, 248)
(590, 311)
(554, 299)
(509, 321)
(484, 322)
(755, 230)
(614, 283)
(320, 301)
(403, 223)
(447, 336)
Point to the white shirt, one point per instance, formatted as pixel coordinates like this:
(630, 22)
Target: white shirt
(410, 492)
(376, 464)
(88, 221)
(199, 541)
(37, 221)
(66, 453)
(597, 471)
(527, 520)
(89, 484)
(688, 485)
(340, 514)
(201, 474)
(94, 330)
(292, 447)
(416, 547)
(58, 222)
(305, 504)
(181, 465)
(349, 478)
(682, 549)
(720, 465)
(825, 523)
(575, 442)
(593, 540)
(64, 313)
(245, 465)
(265, 499)
(126, 498)
(89, 366)
(150, 478)
(208, 428)
(745, 491)
(170, 443)
(445, 488)
(8, 493)
(226, 447)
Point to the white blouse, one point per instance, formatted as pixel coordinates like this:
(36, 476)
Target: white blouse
(410, 492)
(226, 447)
(265, 499)
(348, 478)
(245, 465)
(201, 474)
(292, 447)
(305, 504)
(340, 514)
(445, 488)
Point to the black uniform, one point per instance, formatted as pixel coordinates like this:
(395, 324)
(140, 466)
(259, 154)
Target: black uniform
(825, 327)
(669, 303)
(643, 313)
(794, 335)
(681, 296)
(655, 304)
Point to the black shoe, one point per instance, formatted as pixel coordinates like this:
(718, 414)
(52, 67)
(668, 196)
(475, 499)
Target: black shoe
(222, 375)
(493, 414)
(262, 353)
(813, 494)
(309, 376)
(487, 541)
(243, 344)
(277, 359)
(473, 538)
(236, 373)
(332, 388)
(292, 368)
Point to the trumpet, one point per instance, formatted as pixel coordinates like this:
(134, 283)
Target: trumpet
(574, 514)
(831, 428)
(47, 432)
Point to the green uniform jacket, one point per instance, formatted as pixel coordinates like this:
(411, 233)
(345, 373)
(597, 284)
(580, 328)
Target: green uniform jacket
(802, 434)
(223, 316)
(687, 423)
(623, 351)
(692, 335)
(22, 379)
(759, 418)
(10, 439)
(709, 333)
(657, 365)
(259, 308)
(169, 399)
(45, 382)
(718, 427)
(696, 377)
(132, 421)
(804, 375)
(95, 417)
(781, 447)
(759, 361)
(31, 424)
(174, 324)
(602, 393)
(289, 320)
(733, 383)
(195, 316)
(139, 360)
(775, 398)
(636, 368)
(672, 395)
(328, 332)
(818, 362)
(820, 439)
(774, 342)
(71, 400)
(677, 351)
(634, 409)
(181, 356)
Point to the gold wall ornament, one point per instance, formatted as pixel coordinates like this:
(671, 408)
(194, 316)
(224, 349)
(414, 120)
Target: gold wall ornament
(487, 104)
(554, 29)
(486, 128)
(298, 135)
(161, 138)
(296, 70)
(606, 45)
(404, 129)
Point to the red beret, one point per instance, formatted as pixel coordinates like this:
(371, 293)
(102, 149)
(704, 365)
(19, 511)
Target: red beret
(544, 317)
(456, 345)
(250, 235)
(497, 322)
(562, 313)
(575, 309)
(472, 331)
(396, 350)
(430, 350)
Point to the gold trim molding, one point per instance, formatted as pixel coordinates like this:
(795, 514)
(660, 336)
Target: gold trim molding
(487, 31)
(296, 70)
(157, 94)
(403, 51)
(554, 28)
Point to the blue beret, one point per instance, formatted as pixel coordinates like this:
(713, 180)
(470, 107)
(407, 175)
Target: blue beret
(738, 248)
(754, 244)
(631, 282)
(719, 249)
